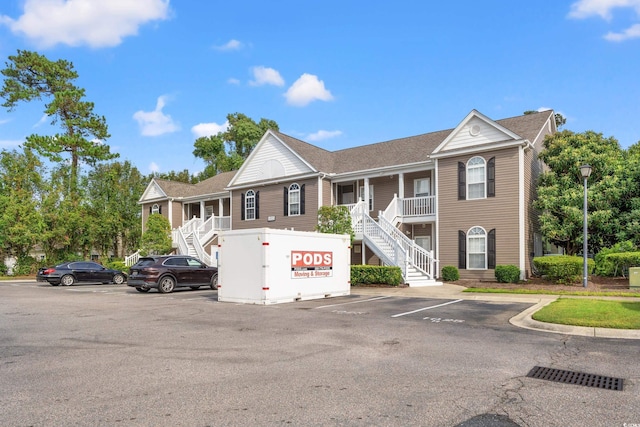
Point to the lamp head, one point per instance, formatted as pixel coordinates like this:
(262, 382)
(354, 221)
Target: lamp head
(585, 171)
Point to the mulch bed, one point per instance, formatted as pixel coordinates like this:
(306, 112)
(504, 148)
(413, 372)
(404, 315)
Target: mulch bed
(595, 284)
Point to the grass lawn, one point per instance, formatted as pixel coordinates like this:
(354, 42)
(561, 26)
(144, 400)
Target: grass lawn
(591, 312)
(551, 292)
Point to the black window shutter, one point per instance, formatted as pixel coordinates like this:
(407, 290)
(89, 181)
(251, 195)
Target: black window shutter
(257, 204)
(302, 199)
(462, 181)
(491, 177)
(160, 209)
(462, 250)
(491, 244)
(286, 201)
(150, 210)
(242, 208)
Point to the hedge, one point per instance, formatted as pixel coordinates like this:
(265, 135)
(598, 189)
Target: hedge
(450, 273)
(564, 269)
(376, 274)
(507, 273)
(621, 261)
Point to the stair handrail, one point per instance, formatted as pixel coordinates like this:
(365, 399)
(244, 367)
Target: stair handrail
(419, 257)
(372, 229)
(357, 211)
(190, 226)
(391, 212)
(202, 254)
(211, 227)
(180, 241)
(132, 259)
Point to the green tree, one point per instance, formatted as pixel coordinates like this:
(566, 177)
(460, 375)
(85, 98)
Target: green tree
(629, 204)
(20, 184)
(183, 176)
(560, 190)
(113, 191)
(335, 220)
(30, 76)
(227, 150)
(156, 240)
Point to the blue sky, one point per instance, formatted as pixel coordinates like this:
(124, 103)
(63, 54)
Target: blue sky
(334, 73)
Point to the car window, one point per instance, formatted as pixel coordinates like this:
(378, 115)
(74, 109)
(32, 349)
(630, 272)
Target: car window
(145, 261)
(76, 265)
(182, 262)
(93, 265)
(194, 262)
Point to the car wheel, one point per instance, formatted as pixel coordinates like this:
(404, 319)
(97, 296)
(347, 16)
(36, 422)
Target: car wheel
(166, 285)
(67, 280)
(195, 288)
(214, 282)
(118, 279)
(142, 289)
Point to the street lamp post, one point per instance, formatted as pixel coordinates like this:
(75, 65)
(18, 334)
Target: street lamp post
(585, 171)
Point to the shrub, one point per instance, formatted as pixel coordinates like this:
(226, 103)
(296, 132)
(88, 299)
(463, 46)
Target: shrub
(564, 269)
(376, 274)
(116, 264)
(450, 273)
(507, 273)
(604, 266)
(622, 261)
(25, 265)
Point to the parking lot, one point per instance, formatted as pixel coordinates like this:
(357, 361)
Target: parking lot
(108, 355)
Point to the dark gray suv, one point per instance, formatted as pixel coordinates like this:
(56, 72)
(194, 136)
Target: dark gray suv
(171, 271)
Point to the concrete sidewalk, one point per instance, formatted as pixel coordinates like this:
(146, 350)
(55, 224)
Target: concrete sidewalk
(522, 320)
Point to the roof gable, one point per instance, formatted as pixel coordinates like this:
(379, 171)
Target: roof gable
(270, 159)
(476, 130)
(153, 192)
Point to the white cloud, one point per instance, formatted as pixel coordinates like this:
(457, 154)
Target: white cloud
(307, 89)
(603, 8)
(154, 123)
(233, 81)
(42, 121)
(208, 129)
(323, 134)
(586, 8)
(632, 32)
(266, 76)
(153, 167)
(95, 23)
(230, 45)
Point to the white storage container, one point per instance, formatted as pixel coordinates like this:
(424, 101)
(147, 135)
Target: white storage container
(269, 266)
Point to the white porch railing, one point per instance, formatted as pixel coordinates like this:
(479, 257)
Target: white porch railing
(408, 207)
(418, 257)
(132, 259)
(196, 233)
(384, 245)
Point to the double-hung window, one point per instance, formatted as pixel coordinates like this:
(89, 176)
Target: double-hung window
(250, 205)
(477, 244)
(294, 199)
(476, 178)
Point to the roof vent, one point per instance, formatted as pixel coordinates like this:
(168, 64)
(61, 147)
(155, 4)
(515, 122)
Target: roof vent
(474, 130)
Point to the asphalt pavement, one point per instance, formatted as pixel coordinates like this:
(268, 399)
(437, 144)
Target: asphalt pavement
(522, 320)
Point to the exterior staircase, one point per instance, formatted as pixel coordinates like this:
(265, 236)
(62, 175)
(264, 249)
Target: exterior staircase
(418, 265)
(195, 234)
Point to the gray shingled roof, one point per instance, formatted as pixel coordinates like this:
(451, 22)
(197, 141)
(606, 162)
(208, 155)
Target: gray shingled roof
(401, 151)
(211, 185)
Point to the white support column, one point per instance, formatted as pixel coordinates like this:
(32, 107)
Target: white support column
(401, 185)
(170, 203)
(319, 191)
(220, 207)
(366, 192)
(202, 213)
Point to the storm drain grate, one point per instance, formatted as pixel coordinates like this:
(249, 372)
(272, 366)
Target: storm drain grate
(577, 378)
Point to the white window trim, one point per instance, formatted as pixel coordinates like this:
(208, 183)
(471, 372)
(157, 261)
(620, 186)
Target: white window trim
(248, 209)
(155, 208)
(292, 191)
(484, 181)
(371, 203)
(415, 187)
(486, 248)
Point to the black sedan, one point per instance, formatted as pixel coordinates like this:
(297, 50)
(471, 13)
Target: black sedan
(69, 273)
(171, 271)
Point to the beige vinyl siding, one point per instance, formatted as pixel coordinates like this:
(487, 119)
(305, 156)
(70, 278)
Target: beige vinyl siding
(176, 214)
(499, 212)
(326, 193)
(409, 178)
(384, 189)
(164, 207)
(272, 204)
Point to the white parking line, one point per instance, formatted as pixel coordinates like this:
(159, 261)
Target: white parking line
(426, 308)
(350, 302)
